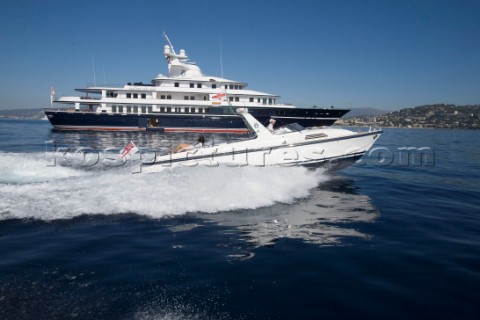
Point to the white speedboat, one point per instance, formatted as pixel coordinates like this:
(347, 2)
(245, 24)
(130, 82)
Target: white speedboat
(290, 145)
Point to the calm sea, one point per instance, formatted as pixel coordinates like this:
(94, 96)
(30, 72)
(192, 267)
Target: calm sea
(396, 236)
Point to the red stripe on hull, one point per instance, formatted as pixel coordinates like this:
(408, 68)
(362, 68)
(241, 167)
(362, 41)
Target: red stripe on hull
(82, 128)
(206, 130)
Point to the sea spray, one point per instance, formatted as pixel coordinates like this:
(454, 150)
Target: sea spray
(25, 168)
(62, 193)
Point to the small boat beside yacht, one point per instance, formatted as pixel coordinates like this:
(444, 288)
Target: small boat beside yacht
(287, 146)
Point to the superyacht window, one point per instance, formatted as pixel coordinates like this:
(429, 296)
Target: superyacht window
(177, 84)
(114, 109)
(237, 99)
(185, 98)
(192, 85)
(135, 96)
(192, 98)
(120, 109)
(251, 99)
(199, 85)
(169, 97)
(144, 109)
(162, 96)
(129, 109)
(214, 86)
(129, 95)
(144, 96)
(135, 109)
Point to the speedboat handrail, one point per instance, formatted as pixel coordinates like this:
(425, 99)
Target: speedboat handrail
(253, 124)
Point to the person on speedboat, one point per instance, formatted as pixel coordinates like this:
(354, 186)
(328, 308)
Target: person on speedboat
(271, 124)
(185, 146)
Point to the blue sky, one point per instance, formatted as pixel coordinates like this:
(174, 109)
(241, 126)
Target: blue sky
(382, 54)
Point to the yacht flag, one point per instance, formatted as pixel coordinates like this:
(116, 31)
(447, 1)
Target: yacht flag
(217, 98)
(130, 148)
(52, 94)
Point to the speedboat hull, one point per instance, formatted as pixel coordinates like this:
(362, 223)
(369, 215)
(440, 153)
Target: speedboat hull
(310, 147)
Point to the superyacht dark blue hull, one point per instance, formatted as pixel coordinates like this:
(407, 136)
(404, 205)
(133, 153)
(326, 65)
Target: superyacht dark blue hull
(219, 119)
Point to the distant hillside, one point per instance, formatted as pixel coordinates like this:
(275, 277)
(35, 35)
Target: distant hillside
(23, 113)
(427, 116)
(364, 112)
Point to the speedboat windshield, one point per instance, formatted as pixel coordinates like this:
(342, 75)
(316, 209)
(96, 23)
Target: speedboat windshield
(292, 127)
(295, 127)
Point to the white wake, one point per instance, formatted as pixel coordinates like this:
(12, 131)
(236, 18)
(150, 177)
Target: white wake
(30, 188)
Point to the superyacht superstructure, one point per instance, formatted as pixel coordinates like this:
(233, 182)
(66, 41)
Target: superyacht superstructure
(185, 100)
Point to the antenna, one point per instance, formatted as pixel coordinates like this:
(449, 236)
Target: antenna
(94, 78)
(169, 43)
(104, 75)
(221, 57)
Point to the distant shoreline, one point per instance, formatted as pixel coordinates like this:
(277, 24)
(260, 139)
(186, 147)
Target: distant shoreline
(436, 116)
(388, 127)
(22, 118)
